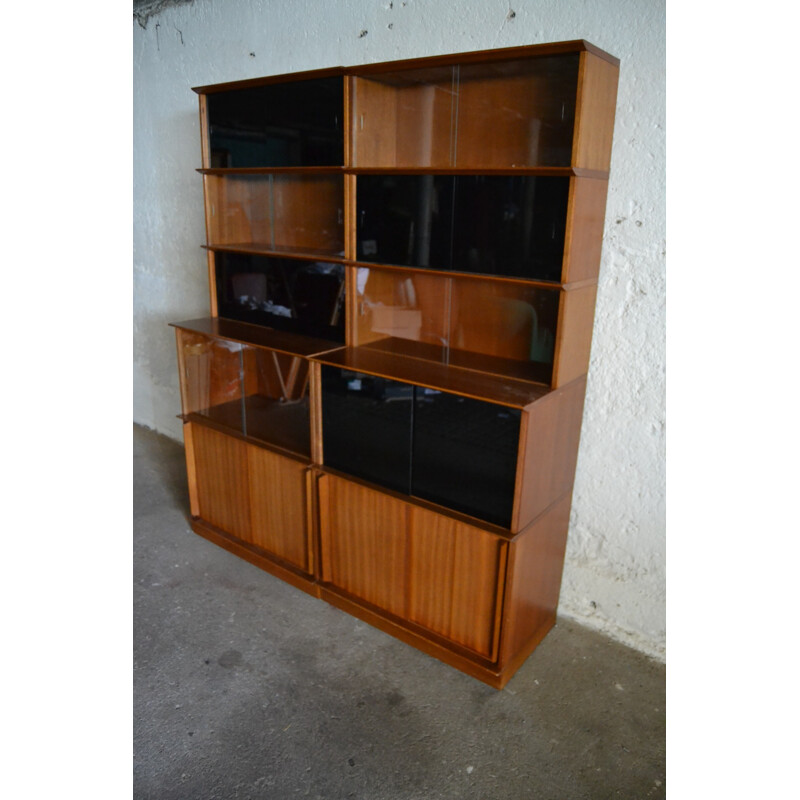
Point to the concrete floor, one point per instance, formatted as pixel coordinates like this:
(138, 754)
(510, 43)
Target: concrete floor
(245, 687)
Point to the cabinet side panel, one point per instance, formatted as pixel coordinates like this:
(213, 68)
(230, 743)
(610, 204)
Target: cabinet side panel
(535, 563)
(597, 101)
(454, 574)
(365, 535)
(574, 341)
(584, 239)
(191, 472)
(552, 436)
(278, 505)
(222, 484)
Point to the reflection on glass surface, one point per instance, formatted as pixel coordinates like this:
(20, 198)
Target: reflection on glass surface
(512, 226)
(405, 219)
(499, 114)
(293, 124)
(465, 454)
(253, 391)
(366, 426)
(517, 113)
(305, 297)
(502, 327)
(285, 212)
(213, 379)
(454, 451)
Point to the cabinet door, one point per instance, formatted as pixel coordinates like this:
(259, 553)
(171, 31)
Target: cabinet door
(278, 505)
(222, 485)
(456, 576)
(363, 540)
(436, 572)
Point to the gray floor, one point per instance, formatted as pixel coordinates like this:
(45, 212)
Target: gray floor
(245, 687)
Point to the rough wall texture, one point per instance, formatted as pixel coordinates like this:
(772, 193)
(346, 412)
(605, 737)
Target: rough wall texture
(615, 573)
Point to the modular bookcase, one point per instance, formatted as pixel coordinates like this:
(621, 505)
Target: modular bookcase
(385, 404)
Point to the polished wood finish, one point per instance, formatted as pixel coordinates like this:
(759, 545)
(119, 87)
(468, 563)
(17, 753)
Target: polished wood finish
(251, 493)
(594, 124)
(292, 344)
(409, 123)
(549, 438)
(222, 481)
(535, 562)
(251, 83)
(363, 540)
(478, 596)
(469, 383)
(574, 339)
(455, 575)
(584, 235)
(419, 566)
(485, 57)
(277, 212)
(278, 506)
(191, 469)
(315, 412)
(212, 283)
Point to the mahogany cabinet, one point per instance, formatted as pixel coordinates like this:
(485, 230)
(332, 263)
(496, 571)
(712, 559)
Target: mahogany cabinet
(384, 407)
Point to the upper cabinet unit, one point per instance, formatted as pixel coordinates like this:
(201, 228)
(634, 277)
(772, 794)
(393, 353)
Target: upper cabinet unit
(294, 123)
(501, 112)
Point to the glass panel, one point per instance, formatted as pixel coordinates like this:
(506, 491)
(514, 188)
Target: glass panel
(276, 404)
(517, 113)
(255, 392)
(289, 213)
(510, 225)
(404, 119)
(366, 426)
(405, 219)
(406, 312)
(465, 454)
(212, 379)
(497, 115)
(494, 225)
(293, 124)
(502, 327)
(305, 297)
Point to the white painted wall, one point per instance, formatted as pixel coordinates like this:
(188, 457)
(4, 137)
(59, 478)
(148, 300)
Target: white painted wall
(614, 578)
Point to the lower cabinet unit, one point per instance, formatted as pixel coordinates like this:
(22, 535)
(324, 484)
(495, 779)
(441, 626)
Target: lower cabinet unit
(252, 501)
(417, 565)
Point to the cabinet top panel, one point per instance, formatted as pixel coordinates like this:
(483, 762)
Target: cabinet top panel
(456, 380)
(477, 56)
(281, 341)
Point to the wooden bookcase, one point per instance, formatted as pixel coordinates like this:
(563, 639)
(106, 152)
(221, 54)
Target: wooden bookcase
(385, 405)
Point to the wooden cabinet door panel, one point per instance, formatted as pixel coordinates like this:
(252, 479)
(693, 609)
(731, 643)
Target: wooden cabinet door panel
(277, 488)
(363, 539)
(222, 486)
(455, 578)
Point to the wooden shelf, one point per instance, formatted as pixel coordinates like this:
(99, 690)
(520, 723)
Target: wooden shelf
(332, 170)
(291, 344)
(258, 249)
(456, 380)
(260, 420)
(452, 273)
